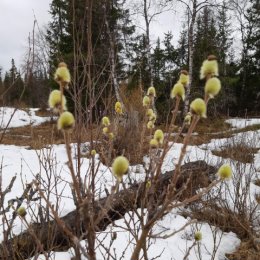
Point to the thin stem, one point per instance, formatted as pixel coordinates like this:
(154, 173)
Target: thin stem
(184, 147)
(140, 243)
(71, 168)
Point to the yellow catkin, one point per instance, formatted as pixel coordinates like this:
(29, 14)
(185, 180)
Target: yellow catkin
(198, 107)
(225, 172)
(62, 74)
(118, 108)
(55, 101)
(198, 236)
(66, 121)
(150, 125)
(93, 152)
(146, 101)
(159, 136)
(212, 87)
(21, 212)
(178, 90)
(111, 136)
(184, 77)
(187, 119)
(209, 67)
(154, 143)
(151, 92)
(105, 130)
(105, 121)
(120, 167)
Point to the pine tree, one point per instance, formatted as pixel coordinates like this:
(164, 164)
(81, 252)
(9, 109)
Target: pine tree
(170, 53)
(13, 86)
(223, 37)
(182, 49)
(158, 62)
(205, 43)
(247, 87)
(58, 34)
(90, 38)
(250, 94)
(227, 68)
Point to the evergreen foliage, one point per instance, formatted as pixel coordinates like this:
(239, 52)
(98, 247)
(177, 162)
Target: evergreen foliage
(13, 86)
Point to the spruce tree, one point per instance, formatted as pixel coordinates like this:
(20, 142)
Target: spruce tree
(182, 49)
(13, 86)
(80, 33)
(205, 43)
(227, 70)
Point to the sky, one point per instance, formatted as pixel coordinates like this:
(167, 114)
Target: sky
(17, 16)
(16, 21)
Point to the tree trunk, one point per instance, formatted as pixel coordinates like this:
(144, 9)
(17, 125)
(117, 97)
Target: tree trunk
(112, 56)
(148, 46)
(191, 52)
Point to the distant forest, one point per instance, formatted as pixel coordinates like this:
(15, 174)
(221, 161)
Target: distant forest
(110, 58)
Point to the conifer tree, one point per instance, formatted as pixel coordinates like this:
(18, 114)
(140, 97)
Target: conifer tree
(13, 86)
(247, 87)
(227, 70)
(91, 43)
(204, 43)
(182, 48)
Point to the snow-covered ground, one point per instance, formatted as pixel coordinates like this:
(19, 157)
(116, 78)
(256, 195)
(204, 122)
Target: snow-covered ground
(12, 117)
(241, 123)
(28, 164)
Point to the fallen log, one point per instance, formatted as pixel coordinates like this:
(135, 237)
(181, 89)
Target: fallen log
(198, 174)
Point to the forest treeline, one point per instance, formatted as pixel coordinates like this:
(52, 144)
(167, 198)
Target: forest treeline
(106, 53)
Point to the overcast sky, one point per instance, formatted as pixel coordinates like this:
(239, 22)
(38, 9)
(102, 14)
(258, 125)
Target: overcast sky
(16, 21)
(17, 16)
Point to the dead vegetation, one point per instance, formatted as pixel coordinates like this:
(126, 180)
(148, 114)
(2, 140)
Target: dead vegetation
(239, 152)
(246, 251)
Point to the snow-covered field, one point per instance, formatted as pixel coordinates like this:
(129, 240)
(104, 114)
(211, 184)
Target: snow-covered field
(12, 117)
(241, 123)
(27, 164)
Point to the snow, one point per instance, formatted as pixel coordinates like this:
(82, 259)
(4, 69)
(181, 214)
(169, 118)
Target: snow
(174, 247)
(28, 164)
(19, 118)
(241, 123)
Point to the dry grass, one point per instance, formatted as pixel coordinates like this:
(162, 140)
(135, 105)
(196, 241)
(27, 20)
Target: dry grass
(238, 152)
(128, 138)
(208, 129)
(257, 182)
(37, 137)
(212, 126)
(246, 251)
(257, 198)
(43, 112)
